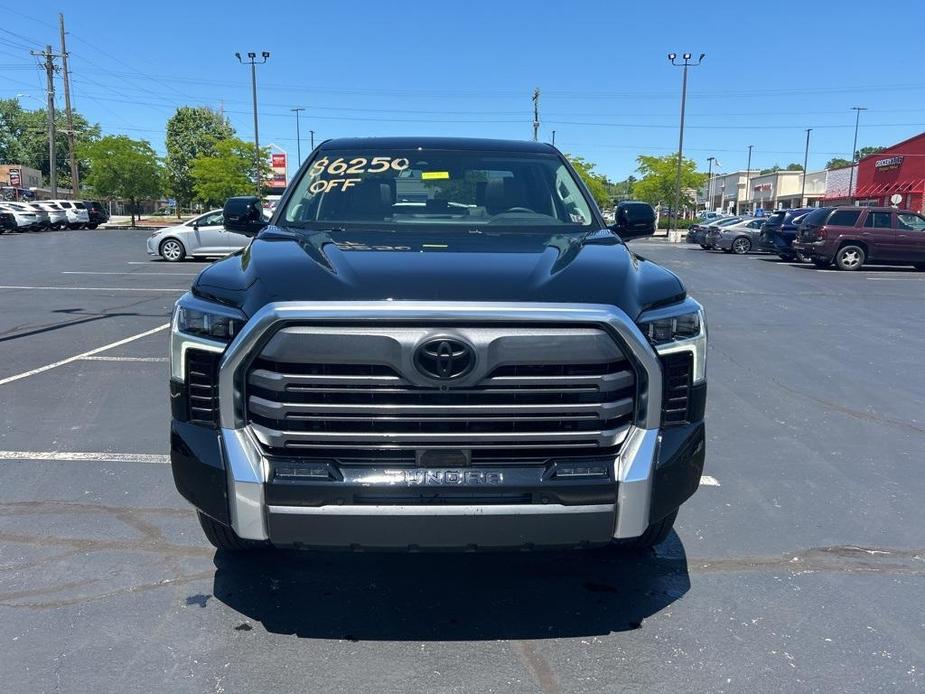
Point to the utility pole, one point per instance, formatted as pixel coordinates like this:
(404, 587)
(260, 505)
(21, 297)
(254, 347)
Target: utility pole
(72, 155)
(536, 114)
(710, 161)
(298, 137)
(748, 176)
(677, 193)
(854, 149)
(805, 164)
(50, 89)
(553, 138)
(253, 62)
(312, 133)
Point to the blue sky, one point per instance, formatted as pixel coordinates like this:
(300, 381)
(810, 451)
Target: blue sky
(406, 68)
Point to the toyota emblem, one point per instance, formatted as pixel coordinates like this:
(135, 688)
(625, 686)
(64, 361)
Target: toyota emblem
(444, 358)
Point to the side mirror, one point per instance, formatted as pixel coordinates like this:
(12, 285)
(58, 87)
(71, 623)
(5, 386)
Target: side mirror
(634, 220)
(196, 226)
(244, 215)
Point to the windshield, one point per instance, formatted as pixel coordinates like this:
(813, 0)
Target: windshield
(453, 188)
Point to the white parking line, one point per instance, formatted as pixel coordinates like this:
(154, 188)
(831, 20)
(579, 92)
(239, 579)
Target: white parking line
(141, 359)
(708, 481)
(96, 289)
(896, 279)
(133, 274)
(85, 457)
(82, 355)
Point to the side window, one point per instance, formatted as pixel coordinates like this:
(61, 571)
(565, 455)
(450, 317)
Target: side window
(910, 222)
(844, 218)
(210, 220)
(755, 224)
(878, 220)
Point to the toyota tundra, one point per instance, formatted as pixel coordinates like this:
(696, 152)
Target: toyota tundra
(436, 343)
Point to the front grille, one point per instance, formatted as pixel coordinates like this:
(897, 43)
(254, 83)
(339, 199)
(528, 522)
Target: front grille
(364, 411)
(677, 374)
(202, 386)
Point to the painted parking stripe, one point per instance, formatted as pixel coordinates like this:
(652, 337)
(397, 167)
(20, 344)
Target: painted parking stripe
(129, 359)
(72, 456)
(82, 355)
(709, 481)
(96, 289)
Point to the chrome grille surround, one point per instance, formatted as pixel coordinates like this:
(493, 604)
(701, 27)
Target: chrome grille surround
(248, 466)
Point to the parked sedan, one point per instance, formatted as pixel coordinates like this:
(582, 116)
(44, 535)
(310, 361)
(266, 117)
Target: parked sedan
(202, 236)
(739, 238)
(713, 231)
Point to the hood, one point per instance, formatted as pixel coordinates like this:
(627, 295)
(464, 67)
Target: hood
(440, 266)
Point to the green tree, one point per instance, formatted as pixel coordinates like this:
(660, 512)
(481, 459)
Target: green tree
(866, 151)
(121, 167)
(24, 139)
(773, 169)
(837, 163)
(227, 172)
(623, 190)
(657, 185)
(794, 167)
(191, 132)
(596, 183)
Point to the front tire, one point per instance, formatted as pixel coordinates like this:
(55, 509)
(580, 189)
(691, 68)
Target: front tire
(223, 537)
(172, 251)
(741, 245)
(655, 534)
(92, 226)
(850, 258)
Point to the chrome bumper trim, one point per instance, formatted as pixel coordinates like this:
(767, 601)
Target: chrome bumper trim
(444, 510)
(634, 468)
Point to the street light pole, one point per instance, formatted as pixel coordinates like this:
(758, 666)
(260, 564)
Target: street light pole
(805, 164)
(298, 137)
(854, 149)
(710, 161)
(748, 176)
(312, 132)
(553, 138)
(253, 62)
(686, 57)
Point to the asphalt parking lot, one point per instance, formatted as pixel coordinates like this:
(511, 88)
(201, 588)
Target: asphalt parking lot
(798, 566)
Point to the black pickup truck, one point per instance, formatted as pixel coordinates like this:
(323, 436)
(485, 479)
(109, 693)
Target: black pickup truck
(437, 344)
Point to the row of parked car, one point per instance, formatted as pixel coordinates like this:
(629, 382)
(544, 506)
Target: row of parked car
(846, 237)
(50, 215)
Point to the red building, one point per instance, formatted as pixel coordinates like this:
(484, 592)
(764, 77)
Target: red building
(897, 170)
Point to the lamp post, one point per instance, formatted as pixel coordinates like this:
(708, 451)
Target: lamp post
(710, 161)
(686, 57)
(253, 62)
(748, 176)
(805, 164)
(854, 149)
(312, 133)
(298, 137)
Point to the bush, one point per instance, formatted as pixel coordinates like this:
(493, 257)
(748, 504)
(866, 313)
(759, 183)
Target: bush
(664, 220)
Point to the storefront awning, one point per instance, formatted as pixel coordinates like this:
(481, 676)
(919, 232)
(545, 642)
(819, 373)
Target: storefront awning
(916, 185)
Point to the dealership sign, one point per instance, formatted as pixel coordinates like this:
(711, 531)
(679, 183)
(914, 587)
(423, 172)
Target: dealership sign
(763, 188)
(278, 176)
(889, 163)
(15, 178)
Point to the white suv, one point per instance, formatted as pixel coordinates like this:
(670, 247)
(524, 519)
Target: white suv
(27, 219)
(57, 216)
(77, 215)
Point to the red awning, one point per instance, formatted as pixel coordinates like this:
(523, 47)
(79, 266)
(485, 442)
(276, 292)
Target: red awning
(916, 185)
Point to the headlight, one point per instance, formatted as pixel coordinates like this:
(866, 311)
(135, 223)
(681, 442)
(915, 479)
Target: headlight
(202, 325)
(212, 326)
(678, 328)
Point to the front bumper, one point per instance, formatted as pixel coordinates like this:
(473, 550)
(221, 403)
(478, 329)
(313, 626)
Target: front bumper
(222, 473)
(227, 475)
